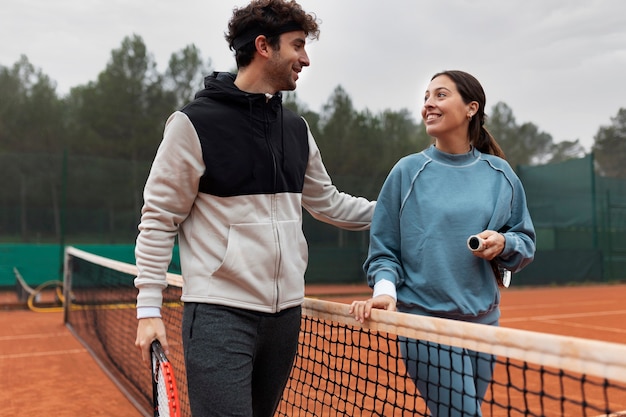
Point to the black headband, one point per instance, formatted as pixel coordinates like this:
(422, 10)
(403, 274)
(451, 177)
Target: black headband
(251, 34)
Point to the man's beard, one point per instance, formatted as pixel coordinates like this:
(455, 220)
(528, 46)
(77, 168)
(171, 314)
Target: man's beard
(279, 76)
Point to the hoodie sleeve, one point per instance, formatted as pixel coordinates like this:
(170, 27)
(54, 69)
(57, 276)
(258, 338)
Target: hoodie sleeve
(169, 194)
(321, 198)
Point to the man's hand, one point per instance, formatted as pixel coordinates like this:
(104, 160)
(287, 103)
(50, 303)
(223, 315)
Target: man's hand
(148, 330)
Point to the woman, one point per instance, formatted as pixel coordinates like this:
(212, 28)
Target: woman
(419, 262)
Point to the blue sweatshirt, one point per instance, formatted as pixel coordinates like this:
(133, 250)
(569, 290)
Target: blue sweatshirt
(429, 205)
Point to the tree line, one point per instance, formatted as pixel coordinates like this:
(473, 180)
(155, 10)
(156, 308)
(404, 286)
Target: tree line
(120, 117)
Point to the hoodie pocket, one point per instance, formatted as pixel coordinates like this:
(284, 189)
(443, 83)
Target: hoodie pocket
(264, 264)
(249, 266)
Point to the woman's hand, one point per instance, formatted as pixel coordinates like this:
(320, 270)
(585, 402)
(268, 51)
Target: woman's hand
(362, 309)
(493, 244)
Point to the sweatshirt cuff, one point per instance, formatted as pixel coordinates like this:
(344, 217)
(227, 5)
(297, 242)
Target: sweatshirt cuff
(148, 312)
(385, 287)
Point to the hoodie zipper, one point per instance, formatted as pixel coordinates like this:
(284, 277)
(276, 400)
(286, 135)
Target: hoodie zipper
(274, 209)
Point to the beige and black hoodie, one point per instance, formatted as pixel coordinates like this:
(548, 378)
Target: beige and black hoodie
(230, 178)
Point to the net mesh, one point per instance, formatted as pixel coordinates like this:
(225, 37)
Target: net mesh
(345, 368)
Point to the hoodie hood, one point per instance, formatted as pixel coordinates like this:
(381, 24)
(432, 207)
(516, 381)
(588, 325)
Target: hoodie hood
(221, 86)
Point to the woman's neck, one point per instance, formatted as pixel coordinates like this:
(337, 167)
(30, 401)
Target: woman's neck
(453, 147)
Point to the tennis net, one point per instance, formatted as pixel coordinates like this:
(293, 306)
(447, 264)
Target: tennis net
(344, 368)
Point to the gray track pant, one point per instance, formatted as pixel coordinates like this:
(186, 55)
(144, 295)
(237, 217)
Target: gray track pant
(238, 361)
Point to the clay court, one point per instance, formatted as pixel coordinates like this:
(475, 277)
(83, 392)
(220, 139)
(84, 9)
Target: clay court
(46, 371)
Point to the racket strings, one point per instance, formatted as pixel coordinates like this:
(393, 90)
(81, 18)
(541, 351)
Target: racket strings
(166, 393)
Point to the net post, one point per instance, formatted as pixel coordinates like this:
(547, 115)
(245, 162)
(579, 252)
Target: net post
(67, 285)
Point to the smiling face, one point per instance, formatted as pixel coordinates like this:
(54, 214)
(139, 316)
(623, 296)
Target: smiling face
(445, 113)
(286, 62)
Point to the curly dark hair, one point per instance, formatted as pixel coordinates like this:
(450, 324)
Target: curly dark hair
(270, 18)
(471, 90)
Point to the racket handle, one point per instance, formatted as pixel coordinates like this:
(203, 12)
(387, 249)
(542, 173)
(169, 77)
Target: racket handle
(475, 243)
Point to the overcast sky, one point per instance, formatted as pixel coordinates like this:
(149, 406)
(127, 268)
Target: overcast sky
(560, 64)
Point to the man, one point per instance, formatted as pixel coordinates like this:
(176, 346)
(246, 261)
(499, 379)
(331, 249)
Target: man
(230, 178)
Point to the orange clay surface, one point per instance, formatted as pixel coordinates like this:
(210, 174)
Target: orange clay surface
(45, 371)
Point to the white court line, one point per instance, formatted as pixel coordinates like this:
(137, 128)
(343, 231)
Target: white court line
(564, 316)
(39, 354)
(557, 319)
(507, 307)
(585, 326)
(33, 336)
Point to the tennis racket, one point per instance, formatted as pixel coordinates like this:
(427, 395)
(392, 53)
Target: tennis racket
(164, 391)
